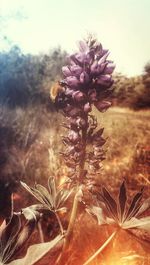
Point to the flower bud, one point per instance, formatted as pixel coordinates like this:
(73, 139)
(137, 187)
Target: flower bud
(87, 107)
(83, 46)
(72, 81)
(109, 68)
(78, 58)
(92, 95)
(78, 96)
(103, 80)
(66, 71)
(81, 122)
(73, 136)
(103, 58)
(102, 105)
(94, 67)
(84, 78)
(72, 111)
(68, 91)
(76, 70)
(102, 67)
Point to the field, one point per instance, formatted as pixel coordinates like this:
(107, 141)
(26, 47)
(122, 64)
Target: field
(128, 149)
(127, 157)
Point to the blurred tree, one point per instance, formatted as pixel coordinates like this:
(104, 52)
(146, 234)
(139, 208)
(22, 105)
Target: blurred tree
(133, 92)
(27, 78)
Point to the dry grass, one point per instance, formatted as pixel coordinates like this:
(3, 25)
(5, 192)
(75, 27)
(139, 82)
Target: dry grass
(127, 156)
(128, 146)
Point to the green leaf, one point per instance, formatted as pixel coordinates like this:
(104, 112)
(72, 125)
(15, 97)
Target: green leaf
(135, 205)
(145, 206)
(122, 200)
(143, 223)
(110, 203)
(36, 252)
(98, 213)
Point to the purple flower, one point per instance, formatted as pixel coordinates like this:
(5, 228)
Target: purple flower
(81, 123)
(102, 105)
(109, 68)
(76, 70)
(66, 71)
(84, 78)
(78, 58)
(72, 111)
(73, 136)
(78, 96)
(72, 81)
(87, 75)
(103, 57)
(92, 95)
(87, 107)
(83, 47)
(104, 80)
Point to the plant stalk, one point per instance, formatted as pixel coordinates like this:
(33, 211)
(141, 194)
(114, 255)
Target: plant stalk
(76, 200)
(40, 232)
(59, 222)
(101, 248)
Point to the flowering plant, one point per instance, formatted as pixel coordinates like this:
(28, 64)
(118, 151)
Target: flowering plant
(87, 84)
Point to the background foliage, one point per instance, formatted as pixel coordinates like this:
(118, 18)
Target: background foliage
(30, 126)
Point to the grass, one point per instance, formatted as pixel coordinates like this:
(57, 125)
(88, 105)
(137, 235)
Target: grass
(34, 154)
(128, 147)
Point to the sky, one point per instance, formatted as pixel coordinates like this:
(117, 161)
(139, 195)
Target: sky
(123, 27)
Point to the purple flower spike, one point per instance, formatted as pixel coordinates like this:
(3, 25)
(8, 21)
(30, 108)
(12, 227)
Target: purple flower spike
(102, 105)
(87, 79)
(86, 75)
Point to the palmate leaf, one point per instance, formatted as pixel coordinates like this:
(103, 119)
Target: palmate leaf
(118, 213)
(44, 193)
(61, 197)
(50, 198)
(37, 252)
(15, 233)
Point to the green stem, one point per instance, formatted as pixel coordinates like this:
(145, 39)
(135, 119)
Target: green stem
(101, 248)
(59, 222)
(76, 200)
(40, 232)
